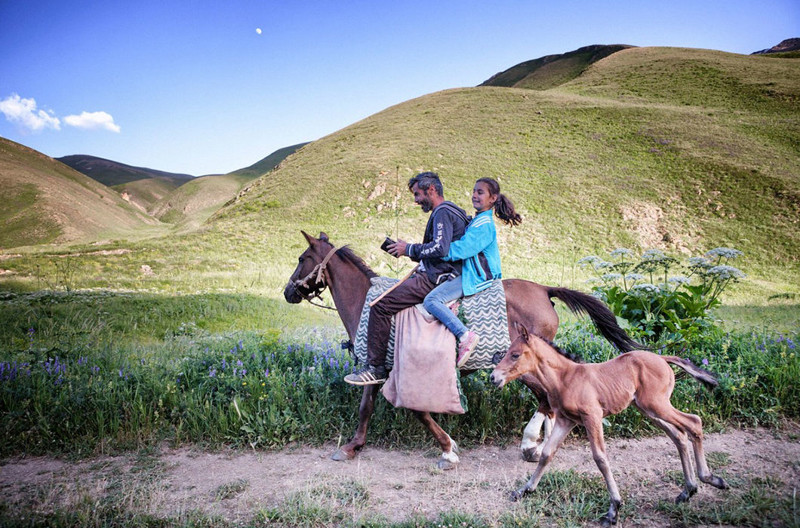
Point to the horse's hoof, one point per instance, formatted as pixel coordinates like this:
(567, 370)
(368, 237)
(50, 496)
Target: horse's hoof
(445, 465)
(530, 455)
(340, 456)
(515, 495)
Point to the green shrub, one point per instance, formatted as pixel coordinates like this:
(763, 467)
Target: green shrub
(656, 304)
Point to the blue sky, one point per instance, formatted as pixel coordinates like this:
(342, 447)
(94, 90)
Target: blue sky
(203, 87)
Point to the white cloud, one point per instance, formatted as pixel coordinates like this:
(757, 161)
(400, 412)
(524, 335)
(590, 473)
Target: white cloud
(93, 121)
(24, 113)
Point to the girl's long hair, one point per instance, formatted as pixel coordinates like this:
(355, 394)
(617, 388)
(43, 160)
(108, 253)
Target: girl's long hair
(503, 207)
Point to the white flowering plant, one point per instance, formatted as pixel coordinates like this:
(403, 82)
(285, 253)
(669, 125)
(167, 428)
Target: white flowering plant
(649, 298)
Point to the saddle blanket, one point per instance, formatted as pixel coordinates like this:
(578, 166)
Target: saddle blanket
(484, 313)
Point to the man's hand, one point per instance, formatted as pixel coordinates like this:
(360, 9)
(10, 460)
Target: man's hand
(398, 249)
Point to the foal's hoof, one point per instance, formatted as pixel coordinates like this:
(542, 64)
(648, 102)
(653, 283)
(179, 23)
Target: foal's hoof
(685, 495)
(445, 465)
(530, 455)
(515, 495)
(340, 455)
(607, 521)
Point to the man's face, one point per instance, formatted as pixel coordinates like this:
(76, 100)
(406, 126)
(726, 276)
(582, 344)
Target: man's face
(423, 198)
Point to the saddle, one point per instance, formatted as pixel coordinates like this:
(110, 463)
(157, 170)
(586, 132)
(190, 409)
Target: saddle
(484, 313)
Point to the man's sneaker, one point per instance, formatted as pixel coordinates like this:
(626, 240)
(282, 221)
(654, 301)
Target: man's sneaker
(369, 375)
(466, 345)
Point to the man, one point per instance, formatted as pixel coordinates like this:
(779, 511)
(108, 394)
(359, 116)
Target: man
(446, 224)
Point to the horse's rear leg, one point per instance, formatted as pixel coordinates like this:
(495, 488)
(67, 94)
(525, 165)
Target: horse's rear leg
(365, 409)
(449, 458)
(530, 445)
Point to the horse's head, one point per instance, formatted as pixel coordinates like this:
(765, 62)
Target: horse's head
(307, 281)
(518, 360)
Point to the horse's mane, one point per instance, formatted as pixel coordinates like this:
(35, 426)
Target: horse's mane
(569, 355)
(348, 254)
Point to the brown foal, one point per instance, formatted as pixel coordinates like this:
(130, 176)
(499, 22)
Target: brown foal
(586, 393)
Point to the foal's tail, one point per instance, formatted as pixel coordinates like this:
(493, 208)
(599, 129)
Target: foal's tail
(602, 317)
(698, 373)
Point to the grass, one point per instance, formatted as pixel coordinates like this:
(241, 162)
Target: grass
(89, 372)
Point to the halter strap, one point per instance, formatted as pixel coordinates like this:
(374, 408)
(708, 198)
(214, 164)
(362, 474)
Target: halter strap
(318, 270)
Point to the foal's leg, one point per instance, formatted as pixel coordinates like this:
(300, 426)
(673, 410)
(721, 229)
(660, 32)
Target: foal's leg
(663, 415)
(693, 426)
(365, 409)
(594, 430)
(449, 458)
(561, 429)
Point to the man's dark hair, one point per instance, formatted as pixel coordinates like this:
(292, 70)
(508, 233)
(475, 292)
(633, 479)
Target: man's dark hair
(425, 180)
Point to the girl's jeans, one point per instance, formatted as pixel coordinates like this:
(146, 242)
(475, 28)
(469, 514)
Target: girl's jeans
(436, 303)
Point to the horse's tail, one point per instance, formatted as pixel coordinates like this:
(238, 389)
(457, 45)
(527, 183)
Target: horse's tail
(698, 373)
(601, 315)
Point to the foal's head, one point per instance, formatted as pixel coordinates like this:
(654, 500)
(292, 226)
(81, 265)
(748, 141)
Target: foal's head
(523, 356)
(520, 359)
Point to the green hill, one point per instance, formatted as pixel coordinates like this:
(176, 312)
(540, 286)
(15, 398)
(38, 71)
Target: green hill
(192, 203)
(552, 70)
(678, 149)
(111, 173)
(267, 164)
(45, 202)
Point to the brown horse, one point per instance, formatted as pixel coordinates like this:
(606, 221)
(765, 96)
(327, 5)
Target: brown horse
(324, 266)
(586, 393)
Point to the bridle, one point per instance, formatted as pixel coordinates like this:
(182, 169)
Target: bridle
(320, 284)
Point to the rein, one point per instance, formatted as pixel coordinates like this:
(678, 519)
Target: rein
(319, 281)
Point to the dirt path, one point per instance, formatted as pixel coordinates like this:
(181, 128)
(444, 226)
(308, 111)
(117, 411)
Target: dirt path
(400, 484)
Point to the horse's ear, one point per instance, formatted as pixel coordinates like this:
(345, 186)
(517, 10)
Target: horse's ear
(522, 331)
(323, 236)
(310, 239)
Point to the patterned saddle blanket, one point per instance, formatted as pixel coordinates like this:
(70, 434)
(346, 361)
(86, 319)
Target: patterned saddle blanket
(484, 313)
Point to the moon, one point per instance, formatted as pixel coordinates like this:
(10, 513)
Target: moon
(258, 30)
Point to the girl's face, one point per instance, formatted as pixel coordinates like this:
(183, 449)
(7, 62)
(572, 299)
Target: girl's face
(482, 199)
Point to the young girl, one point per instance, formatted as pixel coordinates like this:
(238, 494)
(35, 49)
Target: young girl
(481, 261)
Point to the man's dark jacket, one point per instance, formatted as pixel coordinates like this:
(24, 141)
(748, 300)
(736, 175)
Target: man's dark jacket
(447, 223)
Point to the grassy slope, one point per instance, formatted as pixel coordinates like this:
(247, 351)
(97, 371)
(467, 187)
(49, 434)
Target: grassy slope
(147, 192)
(113, 173)
(553, 70)
(47, 202)
(679, 149)
(192, 203)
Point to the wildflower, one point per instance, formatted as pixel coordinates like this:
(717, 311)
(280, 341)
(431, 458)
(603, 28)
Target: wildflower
(645, 289)
(590, 260)
(723, 252)
(266, 373)
(724, 272)
(212, 373)
(679, 279)
(611, 277)
(653, 255)
(624, 252)
(699, 262)
(705, 361)
(634, 277)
